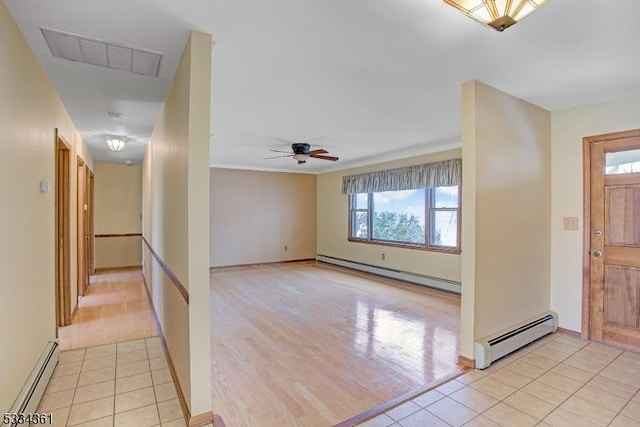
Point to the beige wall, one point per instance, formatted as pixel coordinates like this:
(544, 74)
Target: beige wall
(118, 210)
(568, 127)
(176, 220)
(254, 215)
(30, 111)
(333, 224)
(506, 211)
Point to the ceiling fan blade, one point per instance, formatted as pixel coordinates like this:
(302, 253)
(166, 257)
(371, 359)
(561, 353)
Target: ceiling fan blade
(285, 140)
(278, 157)
(318, 156)
(279, 151)
(320, 151)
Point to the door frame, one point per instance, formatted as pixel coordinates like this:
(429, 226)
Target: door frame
(90, 231)
(586, 242)
(63, 227)
(81, 201)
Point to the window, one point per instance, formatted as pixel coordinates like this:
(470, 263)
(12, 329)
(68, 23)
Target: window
(620, 162)
(425, 217)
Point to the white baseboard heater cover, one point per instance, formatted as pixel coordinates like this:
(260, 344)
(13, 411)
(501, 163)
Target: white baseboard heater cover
(405, 276)
(29, 398)
(493, 347)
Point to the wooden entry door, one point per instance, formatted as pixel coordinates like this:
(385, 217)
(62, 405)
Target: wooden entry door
(614, 237)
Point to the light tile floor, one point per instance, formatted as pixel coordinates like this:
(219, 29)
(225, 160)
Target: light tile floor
(122, 384)
(557, 381)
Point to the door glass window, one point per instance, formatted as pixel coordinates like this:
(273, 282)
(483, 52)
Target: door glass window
(620, 162)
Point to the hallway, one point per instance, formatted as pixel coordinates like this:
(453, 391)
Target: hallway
(112, 370)
(115, 308)
(124, 384)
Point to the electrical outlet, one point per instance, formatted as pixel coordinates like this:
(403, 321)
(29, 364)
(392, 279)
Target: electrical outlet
(570, 223)
(382, 257)
(286, 248)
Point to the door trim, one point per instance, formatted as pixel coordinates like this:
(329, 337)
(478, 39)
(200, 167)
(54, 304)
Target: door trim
(90, 219)
(586, 242)
(63, 227)
(81, 247)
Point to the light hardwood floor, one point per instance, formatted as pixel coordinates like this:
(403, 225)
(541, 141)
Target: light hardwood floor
(294, 344)
(115, 308)
(304, 345)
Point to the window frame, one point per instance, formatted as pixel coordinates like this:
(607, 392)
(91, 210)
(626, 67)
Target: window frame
(430, 212)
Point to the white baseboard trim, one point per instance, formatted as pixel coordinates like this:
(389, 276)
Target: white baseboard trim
(405, 276)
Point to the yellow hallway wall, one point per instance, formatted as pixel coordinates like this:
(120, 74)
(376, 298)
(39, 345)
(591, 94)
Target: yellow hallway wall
(30, 111)
(118, 210)
(176, 221)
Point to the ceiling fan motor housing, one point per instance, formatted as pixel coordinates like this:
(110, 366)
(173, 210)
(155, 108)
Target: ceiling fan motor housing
(300, 148)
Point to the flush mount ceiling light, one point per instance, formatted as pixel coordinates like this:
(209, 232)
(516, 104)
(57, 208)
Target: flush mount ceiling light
(114, 115)
(116, 143)
(497, 14)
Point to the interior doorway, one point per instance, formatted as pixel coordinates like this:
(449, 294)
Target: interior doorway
(91, 241)
(85, 221)
(62, 220)
(611, 302)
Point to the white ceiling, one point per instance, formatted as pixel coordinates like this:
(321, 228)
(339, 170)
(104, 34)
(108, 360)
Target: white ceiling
(368, 80)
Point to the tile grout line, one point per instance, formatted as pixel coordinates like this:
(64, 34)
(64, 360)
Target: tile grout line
(570, 394)
(632, 396)
(75, 390)
(115, 382)
(88, 385)
(581, 387)
(535, 379)
(153, 385)
(517, 389)
(584, 384)
(469, 385)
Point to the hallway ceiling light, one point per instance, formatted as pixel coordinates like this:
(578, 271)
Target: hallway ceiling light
(498, 14)
(116, 143)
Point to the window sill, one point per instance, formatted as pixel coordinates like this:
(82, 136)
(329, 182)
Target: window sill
(454, 251)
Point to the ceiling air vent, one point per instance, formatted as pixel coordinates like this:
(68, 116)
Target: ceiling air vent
(105, 54)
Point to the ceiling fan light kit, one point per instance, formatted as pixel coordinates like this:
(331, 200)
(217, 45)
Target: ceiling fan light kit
(497, 14)
(301, 152)
(115, 143)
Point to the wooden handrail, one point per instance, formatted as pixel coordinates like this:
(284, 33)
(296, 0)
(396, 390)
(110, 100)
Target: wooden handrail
(119, 235)
(174, 279)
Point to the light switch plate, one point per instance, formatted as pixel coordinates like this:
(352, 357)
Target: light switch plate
(570, 223)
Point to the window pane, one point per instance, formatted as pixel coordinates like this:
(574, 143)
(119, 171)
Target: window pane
(445, 197)
(362, 201)
(622, 162)
(399, 216)
(444, 228)
(360, 224)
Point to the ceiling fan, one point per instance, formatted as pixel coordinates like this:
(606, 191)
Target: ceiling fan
(301, 151)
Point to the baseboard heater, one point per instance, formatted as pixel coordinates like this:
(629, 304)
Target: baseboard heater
(405, 276)
(29, 398)
(491, 348)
